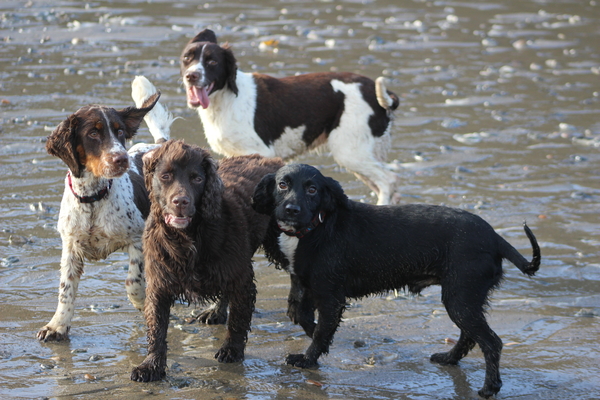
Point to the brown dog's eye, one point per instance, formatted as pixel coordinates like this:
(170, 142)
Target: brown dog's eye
(165, 177)
(311, 190)
(93, 134)
(120, 132)
(212, 62)
(196, 179)
(283, 185)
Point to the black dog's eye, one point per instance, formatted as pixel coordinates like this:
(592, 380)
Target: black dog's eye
(311, 190)
(212, 62)
(93, 134)
(196, 178)
(187, 57)
(283, 185)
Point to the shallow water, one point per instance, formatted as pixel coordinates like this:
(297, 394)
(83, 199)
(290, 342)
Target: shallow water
(499, 115)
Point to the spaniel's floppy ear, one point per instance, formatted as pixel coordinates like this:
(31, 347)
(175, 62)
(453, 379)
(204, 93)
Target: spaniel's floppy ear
(231, 68)
(62, 143)
(150, 161)
(333, 196)
(263, 200)
(213, 189)
(133, 116)
(205, 35)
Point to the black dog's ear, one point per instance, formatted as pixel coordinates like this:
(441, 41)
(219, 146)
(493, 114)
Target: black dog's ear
(213, 189)
(205, 35)
(333, 196)
(263, 200)
(133, 116)
(62, 143)
(231, 68)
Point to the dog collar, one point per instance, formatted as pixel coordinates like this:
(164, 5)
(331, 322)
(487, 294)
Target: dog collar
(316, 221)
(89, 199)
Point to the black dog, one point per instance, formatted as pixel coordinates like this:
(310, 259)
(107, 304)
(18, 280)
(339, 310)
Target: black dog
(336, 249)
(199, 241)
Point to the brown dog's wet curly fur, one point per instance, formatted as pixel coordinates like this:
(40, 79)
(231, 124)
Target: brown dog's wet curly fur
(199, 241)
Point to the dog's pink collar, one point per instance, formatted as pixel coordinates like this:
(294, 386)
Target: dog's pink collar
(316, 221)
(89, 199)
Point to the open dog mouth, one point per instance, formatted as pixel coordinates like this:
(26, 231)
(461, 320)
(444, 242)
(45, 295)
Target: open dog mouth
(177, 222)
(198, 95)
(286, 227)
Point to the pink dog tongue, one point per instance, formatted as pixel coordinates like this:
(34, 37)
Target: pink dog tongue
(198, 96)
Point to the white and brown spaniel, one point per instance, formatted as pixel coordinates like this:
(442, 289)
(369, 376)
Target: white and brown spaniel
(245, 113)
(105, 201)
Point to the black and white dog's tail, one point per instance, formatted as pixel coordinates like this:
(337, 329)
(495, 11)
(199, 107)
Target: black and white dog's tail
(159, 119)
(385, 98)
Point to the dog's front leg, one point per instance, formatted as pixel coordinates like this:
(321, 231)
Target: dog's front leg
(330, 307)
(135, 283)
(156, 311)
(71, 268)
(301, 309)
(241, 307)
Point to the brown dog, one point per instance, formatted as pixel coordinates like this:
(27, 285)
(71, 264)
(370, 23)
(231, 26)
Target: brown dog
(199, 241)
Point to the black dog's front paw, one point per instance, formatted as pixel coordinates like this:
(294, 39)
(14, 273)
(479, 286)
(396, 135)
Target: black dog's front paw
(300, 361)
(443, 359)
(229, 354)
(490, 389)
(147, 373)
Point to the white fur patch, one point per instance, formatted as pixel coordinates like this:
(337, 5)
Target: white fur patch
(229, 120)
(290, 142)
(288, 245)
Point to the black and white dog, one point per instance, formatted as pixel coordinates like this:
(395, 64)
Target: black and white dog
(245, 113)
(336, 249)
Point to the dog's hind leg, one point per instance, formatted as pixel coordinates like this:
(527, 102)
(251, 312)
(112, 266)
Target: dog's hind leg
(465, 308)
(364, 159)
(71, 268)
(135, 283)
(216, 314)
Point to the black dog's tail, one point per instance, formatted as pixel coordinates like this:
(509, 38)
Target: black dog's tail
(511, 254)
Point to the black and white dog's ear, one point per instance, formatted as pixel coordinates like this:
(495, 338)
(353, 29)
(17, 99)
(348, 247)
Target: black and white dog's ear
(133, 116)
(231, 68)
(263, 200)
(333, 197)
(62, 143)
(205, 35)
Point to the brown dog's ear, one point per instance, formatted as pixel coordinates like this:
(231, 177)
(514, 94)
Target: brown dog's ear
(205, 35)
(133, 116)
(231, 68)
(263, 201)
(213, 189)
(62, 143)
(150, 160)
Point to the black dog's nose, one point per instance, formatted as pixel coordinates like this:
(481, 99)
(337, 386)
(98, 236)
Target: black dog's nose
(181, 201)
(192, 77)
(292, 209)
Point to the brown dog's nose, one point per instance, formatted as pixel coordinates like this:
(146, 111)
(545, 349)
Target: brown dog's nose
(181, 201)
(192, 77)
(292, 210)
